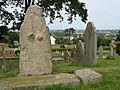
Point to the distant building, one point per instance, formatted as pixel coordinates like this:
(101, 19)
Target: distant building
(52, 39)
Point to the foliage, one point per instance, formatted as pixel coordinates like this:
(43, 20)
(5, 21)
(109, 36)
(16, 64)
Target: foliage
(51, 9)
(103, 41)
(106, 48)
(61, 40)
(118, 44)
(75, 41)
(62, 46)
(69, 31)
(13, 36)
(7, 36)
(3, 33)
(61, 49)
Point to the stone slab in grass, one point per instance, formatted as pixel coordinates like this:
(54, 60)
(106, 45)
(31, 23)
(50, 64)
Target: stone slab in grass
(43, 80)
(88, 76)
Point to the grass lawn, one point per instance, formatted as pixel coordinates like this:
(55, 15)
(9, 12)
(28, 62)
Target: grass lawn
(110, 69)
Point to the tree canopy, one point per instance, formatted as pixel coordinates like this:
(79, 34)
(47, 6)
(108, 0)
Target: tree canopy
(51, 9)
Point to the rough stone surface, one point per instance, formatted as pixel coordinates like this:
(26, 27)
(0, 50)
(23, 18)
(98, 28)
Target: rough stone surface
(73, 53)
(2, 47)
(111, 51)
(9, 53)
(100, 52)
(43, 80)
(78, 53)
(35, 48)
(66, 56)
(88, 76)
(90, 45)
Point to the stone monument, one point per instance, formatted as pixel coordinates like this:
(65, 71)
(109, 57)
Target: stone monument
(90, 45)
(35, 48)
(100, 52)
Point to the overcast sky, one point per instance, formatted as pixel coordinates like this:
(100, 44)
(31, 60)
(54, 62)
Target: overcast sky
(104, 13)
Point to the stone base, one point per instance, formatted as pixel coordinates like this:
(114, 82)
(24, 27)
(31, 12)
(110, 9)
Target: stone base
(43, 80)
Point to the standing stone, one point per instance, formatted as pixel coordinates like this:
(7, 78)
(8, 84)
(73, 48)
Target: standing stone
(100, 52)
(90, 45)
(111, 51)
(35, 48)
(66, 56)
(2, 47)
(112, 48)
(78, 53)
(73, 53)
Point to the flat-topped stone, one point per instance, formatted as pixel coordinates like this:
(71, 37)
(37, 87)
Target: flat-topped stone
(43, 80)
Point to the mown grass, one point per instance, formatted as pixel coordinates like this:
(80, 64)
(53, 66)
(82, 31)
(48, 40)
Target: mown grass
(110, 69)
(10, 70)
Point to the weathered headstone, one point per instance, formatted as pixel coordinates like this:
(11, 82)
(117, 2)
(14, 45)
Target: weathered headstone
(78, 53)
(100, 52)
(35, 48)
(9, 53)
(112, 48)
(2, 47)
(66, 56)
(111, 51)
(90, 45)
(73, 53)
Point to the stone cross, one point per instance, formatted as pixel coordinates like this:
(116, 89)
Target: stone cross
(90, 56)
(35, 48)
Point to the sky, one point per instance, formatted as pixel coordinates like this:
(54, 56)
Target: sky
(104, 14)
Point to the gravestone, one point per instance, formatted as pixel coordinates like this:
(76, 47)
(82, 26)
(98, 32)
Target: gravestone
(73, 53)
(66, 56)
(111, 51)
(90, 45)
(35, 48)
(9, 53)
(112, 48)
(78, 53)
(2, 47)
(100, 52)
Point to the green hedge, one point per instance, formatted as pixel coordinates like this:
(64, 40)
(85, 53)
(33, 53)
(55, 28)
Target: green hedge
(106, 48)
(61, 49)
(55, 49)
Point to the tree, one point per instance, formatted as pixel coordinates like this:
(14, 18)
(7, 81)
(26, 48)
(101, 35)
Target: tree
(12, 37)
(69, 32)
(118, 44)
(103, 41)
(3, 33)
(51, 8)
